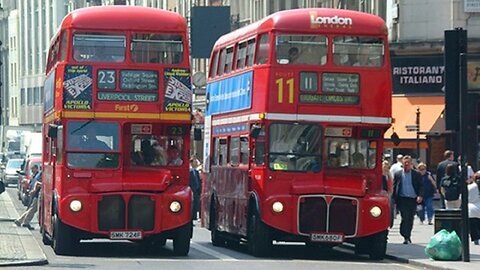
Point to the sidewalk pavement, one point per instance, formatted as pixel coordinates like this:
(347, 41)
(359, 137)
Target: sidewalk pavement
(414, 253)
(17, 244)
(19, 247)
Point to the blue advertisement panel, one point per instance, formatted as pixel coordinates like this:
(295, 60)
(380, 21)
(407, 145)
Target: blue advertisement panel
(230, 95)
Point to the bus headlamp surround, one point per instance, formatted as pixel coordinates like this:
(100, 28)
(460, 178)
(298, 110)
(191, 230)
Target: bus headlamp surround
(375, 211)
(175, 206)
(277, 207)
(75, 205)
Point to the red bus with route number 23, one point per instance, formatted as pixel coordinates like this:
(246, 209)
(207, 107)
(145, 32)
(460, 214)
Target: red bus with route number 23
(116, 130)
(297, 105)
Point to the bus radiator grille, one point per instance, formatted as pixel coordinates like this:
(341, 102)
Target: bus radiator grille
(315, 215)
(343, 217)
(141, 213)
(111, 213)
(312, 215)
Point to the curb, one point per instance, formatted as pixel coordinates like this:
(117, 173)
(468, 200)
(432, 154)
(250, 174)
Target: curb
(24, 263)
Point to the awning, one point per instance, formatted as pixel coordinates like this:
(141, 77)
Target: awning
(404, 114)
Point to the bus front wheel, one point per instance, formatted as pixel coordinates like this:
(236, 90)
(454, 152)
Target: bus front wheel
(63, 240)
(377, 245)
(259, 242)
(181, 242)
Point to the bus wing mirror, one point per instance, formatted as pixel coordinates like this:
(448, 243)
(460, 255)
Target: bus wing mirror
(255, 131)
(52, 131)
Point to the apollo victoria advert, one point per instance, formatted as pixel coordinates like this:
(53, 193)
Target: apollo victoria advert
(77, 86)
(178, 90)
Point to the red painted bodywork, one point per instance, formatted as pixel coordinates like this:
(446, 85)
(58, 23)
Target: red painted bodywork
(162, 185)
(231, 187)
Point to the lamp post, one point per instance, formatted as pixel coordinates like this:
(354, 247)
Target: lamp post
(417, 123)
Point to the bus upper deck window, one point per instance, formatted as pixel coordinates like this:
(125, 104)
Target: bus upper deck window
(263, 50)
(301, 49)
(358, 51)
(99, 48)
(157, 48)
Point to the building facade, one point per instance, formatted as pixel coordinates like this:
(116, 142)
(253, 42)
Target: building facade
(416, 31)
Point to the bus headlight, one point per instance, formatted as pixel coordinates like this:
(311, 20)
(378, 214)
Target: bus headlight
(175, 206)
(75, 205)
(277, 207)
(375, 211)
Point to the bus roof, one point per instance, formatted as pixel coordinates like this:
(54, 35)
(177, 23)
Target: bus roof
(124, 18)
(311, 21)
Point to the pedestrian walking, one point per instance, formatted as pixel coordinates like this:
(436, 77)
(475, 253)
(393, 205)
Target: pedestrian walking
(196, 186)
(450, 188)
(474, 207)
(397, 166)
(407, 193)
(35, 186)
(448, 156)
(429, 189)
(387, 183)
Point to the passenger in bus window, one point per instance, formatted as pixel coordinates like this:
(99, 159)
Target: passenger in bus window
(363, 57)
(79, 55)
(148, 153)
(333, 161)
(174, 158)
(293, 54)
(358, 160)
(300, 146)
(160, 156)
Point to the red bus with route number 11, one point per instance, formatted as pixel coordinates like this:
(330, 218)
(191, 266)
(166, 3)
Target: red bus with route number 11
(116, 130)
(297, 105)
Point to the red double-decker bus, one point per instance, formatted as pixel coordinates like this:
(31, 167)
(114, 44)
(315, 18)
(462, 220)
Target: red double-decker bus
(117, 129)
(297, 105)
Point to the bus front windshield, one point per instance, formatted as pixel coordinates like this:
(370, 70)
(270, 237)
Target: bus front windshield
(295, 147)
(92, 144)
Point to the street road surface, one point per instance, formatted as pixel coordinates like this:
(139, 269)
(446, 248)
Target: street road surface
(115, 255)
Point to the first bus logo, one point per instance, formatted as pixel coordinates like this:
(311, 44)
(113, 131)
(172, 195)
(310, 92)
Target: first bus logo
(318, 21)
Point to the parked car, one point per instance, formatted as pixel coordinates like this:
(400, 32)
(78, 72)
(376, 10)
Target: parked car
(10, 175)
(24, 177)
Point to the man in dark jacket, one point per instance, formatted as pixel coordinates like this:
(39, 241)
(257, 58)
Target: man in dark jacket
(407, 192)
(449, 159)
(196, 186)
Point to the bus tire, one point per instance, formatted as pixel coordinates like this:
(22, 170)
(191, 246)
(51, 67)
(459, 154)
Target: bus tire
(62, 240)
(181, 242)
(259, 241)
(377, 245)
(216, 238)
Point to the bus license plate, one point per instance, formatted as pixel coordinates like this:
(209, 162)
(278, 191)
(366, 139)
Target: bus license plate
(326, 237)
(126, 235)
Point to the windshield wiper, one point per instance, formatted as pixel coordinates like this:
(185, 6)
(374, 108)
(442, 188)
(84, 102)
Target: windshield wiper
(82, 126)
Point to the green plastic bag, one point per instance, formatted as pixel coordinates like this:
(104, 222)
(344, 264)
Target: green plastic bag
(444, 246)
